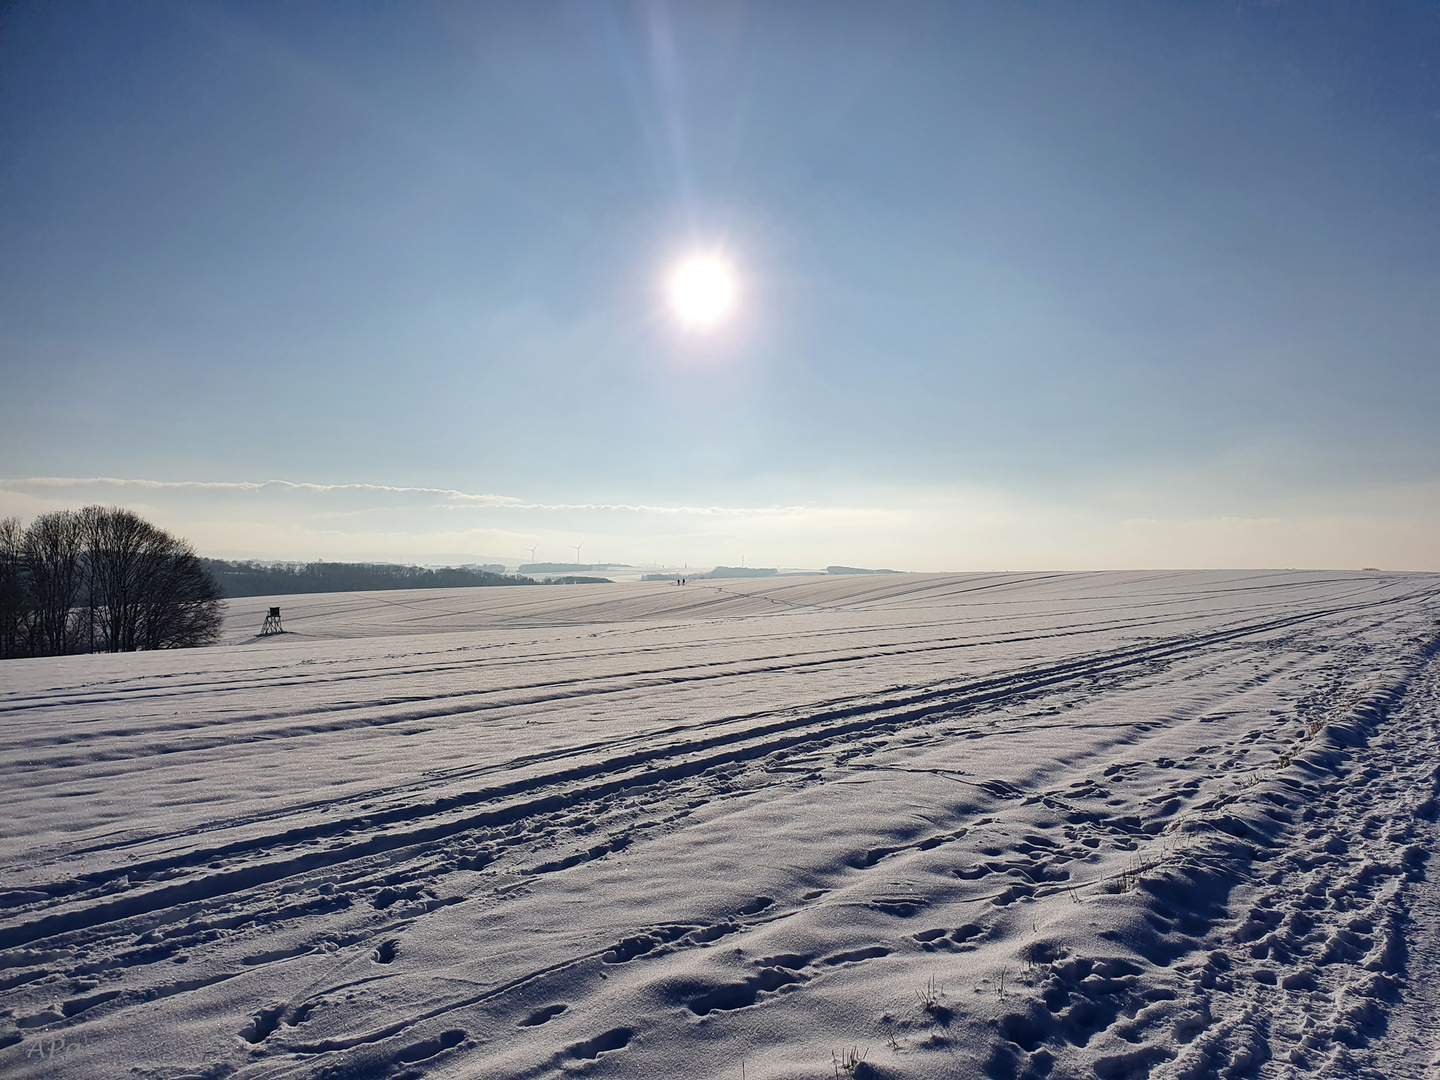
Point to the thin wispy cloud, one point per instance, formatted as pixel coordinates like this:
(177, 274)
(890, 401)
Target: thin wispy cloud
(908, 529)
(444, 497)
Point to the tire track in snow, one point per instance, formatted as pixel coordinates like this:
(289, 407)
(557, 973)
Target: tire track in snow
(1076, 680)
(791, 972)
(586, 781)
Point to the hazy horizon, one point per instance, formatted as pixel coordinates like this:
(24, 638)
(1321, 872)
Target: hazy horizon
(292, 522)
(1116, 286)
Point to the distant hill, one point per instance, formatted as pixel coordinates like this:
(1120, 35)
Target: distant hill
(741, 571)
(280, 579)
(856, 570)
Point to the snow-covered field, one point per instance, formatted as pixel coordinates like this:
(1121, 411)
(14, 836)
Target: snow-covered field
(1064, 825)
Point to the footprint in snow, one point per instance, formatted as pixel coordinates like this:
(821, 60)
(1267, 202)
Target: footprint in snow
(430, 1048)
(543, 1015)
(614, 1039)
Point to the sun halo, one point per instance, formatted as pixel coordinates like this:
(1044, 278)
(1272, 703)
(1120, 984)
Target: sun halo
(702, 291)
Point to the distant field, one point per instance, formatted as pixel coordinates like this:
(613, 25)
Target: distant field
(1117, 824)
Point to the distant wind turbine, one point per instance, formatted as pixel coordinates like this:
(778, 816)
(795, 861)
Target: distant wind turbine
(532, 552)
(577, 555)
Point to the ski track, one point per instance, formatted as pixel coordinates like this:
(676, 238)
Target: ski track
(1045, 825)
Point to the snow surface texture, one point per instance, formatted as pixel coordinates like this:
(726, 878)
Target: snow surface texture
(1047, 825)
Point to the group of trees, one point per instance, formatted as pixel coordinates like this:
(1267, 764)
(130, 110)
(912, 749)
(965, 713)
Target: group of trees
(272, 579)
(101, 579)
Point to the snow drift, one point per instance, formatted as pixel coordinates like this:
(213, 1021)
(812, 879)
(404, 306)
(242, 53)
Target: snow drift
(1002, 826)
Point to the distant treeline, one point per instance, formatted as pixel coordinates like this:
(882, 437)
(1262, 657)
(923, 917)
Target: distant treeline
(279, 579)
(757, 571)
(569, 567)
(101, 579)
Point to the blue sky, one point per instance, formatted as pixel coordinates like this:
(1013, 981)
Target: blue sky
(1021, 285)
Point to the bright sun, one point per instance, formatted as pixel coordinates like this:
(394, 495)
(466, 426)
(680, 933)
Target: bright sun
(702, 291)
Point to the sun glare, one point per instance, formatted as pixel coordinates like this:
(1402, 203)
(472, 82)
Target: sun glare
(702, 291)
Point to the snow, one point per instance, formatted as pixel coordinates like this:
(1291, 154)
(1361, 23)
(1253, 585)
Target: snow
(1023, 825)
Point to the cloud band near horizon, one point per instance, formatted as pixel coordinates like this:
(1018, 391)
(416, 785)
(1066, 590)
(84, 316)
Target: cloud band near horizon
(918, 530)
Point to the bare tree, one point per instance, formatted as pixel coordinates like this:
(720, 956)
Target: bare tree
(53, 549)
(101, 578)
(115, 539)
(182, 604)
(14, 594)
(147, 589)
